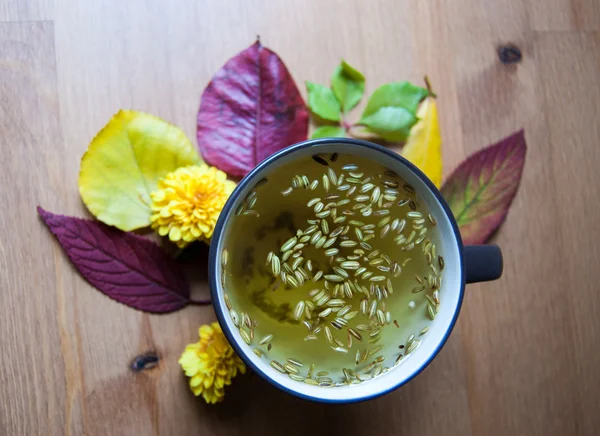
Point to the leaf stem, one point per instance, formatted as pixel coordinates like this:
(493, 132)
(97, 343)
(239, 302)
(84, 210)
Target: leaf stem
(357, 135)
(429, 88)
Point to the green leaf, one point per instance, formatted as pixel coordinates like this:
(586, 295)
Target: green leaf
(391, 123)
(348, 85)
(391, 110)
(322, 102)
(328, 131)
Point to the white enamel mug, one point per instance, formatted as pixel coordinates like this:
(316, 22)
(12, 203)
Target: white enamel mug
(462, 265)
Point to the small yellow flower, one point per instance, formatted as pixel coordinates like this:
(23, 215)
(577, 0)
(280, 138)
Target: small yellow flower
(188, 202)
(211, 364)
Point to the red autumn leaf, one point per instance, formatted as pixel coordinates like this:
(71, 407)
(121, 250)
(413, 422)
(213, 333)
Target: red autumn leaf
(481, 190)
(126, 267)
(250, 109)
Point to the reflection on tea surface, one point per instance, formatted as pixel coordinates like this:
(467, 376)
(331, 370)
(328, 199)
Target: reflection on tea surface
(331, 269)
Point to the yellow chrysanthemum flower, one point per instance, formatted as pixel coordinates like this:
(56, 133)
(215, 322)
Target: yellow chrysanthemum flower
(188, 202)
(211, 364)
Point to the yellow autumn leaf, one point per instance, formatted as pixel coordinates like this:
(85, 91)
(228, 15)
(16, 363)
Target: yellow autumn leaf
(424, 145)
(124, 163)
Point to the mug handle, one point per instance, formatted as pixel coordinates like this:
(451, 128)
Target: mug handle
(482, 263)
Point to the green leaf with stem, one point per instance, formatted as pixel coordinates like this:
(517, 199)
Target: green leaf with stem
(391, 110)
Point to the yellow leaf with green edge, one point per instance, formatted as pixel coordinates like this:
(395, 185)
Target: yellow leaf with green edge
(424, 144)
(124, 163)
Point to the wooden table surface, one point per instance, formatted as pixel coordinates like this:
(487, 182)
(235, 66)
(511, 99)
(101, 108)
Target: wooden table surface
(524, 358)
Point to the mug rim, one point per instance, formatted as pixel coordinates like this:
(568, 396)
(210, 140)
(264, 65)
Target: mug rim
(213, 260)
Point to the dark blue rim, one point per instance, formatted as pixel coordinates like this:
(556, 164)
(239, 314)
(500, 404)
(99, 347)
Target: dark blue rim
(218, 233)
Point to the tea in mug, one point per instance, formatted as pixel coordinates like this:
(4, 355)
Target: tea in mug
(332, 270)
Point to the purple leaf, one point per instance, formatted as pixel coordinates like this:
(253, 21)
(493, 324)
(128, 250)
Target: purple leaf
(481, 190)
(250, 109)
(126, 267)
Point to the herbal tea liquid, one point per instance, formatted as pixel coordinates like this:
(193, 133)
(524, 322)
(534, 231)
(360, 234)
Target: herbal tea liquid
(332, 269)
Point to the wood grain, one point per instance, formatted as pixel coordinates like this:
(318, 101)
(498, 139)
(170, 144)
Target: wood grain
(517, 331)
(30, 10)
(565, 15)
(33, 370)
(571, 67)
(523, 359)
